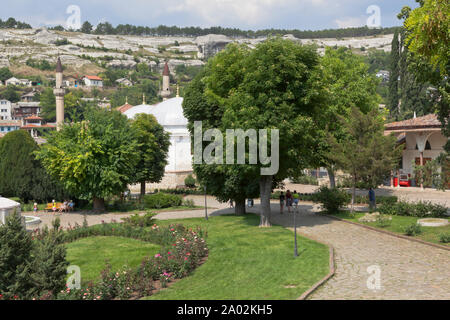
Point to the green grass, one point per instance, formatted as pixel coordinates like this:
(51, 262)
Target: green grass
(398, 225)
(91, 254)
(248, 262)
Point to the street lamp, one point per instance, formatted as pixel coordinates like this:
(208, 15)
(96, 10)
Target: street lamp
(295, 232)
(206, 206)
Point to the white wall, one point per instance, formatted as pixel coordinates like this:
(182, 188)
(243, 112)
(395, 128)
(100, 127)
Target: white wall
(5, 105)
(437, 142)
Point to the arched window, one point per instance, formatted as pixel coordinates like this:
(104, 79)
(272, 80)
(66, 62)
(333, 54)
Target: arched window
(427, 146)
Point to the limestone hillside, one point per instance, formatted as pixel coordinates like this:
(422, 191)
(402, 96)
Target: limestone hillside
(91, 54)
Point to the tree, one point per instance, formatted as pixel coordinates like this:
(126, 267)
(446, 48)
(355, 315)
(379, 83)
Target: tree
(345, 82)
(21, 175)
(15, 259)
(48, 105)
(428, 38)
(10, 94)
(95, 158)
(5, 74)
(153, 149)
(50, 264)
(86, 27)
(225, 182)
(393, 97)
(267, 88)
(376, 154)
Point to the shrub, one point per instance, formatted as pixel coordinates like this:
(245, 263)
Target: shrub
(444, 237)
(190, 181)
(383, 221)
(413, 229)
(141, 221)
(419, 209)
(189, 203)
(332, 199)
(304, 179)
(162, 200)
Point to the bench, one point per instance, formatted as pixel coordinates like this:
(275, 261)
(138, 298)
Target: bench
(49, 206)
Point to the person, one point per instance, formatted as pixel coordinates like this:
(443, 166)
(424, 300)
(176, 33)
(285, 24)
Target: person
(63, 207)
(35, 207)
(296, 198)
(372, 201)
(231, 203)
(289, 200)
(54, 206)
(71, 205)
(282, 197)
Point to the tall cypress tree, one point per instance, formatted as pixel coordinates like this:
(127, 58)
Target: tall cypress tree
(393, 96)
(15, 259)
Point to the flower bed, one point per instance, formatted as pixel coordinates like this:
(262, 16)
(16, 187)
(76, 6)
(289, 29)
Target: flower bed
(182, 250)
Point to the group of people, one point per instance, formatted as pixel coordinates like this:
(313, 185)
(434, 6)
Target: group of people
(66, 206)
(290, 199)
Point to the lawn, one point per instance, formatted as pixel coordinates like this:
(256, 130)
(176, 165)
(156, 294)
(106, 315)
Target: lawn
(91, 254)
(248, 262)
(398, 225)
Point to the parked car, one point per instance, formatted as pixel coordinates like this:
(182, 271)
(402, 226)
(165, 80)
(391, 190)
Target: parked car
(405, 180)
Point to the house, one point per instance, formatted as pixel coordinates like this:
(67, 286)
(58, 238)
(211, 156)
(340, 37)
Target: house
(12, 81)
(73, 82)
(101, 103)
(35, 125)
(28, 97)
(93, 81)
(8, 126)
(124, 82)
(383, 75)
(25, 109)
(422, 139)
(5, 110)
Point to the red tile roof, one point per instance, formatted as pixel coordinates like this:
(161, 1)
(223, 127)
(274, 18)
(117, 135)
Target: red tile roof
(94, 78)
(428, 121)
(32, 126)
(33, 117)
(125, 107)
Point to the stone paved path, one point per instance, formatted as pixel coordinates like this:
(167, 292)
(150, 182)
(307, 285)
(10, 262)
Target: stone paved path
(409, 270)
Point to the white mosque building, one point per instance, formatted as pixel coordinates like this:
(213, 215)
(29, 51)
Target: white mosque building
(169, 114)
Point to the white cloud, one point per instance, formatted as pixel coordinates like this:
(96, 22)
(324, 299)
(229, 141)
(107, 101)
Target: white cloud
(350, 22)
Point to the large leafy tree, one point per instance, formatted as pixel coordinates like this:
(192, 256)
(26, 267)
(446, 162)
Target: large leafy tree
(365, 153)
(5, 74)
(345, 83)
(95, 158)
(265, 88)
(203, 103)
(153, 149)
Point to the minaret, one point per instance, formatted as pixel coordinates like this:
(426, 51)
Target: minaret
(165, 92)
(59, 92)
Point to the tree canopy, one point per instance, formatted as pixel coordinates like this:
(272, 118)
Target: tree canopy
(94, 158)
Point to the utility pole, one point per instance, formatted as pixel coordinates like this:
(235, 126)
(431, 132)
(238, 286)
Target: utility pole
(295, 232)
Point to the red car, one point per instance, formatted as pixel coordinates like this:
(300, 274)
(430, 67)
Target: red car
(404, 180)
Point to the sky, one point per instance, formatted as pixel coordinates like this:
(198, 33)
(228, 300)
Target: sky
(243, 14)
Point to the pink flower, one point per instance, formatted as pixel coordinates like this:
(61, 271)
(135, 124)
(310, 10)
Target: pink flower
(169, 252)
(157, 255)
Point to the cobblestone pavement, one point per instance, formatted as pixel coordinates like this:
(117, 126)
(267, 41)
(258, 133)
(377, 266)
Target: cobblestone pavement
(408, 270)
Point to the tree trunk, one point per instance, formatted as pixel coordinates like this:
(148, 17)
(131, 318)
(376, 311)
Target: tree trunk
(99, 204)
(265, 189)
(239, 207)
(142, 188)
(353, 194)
(332, 177)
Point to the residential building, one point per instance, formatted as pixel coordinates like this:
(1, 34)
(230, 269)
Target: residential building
(93, 81)
(5, 110)
(25, 109)
(8, 126)
(124, 82)
(35, 125)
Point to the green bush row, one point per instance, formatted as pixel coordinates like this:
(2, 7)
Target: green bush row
(419, 209)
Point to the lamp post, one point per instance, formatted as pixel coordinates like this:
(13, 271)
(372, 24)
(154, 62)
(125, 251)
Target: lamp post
(295, 232)
(206, 206)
